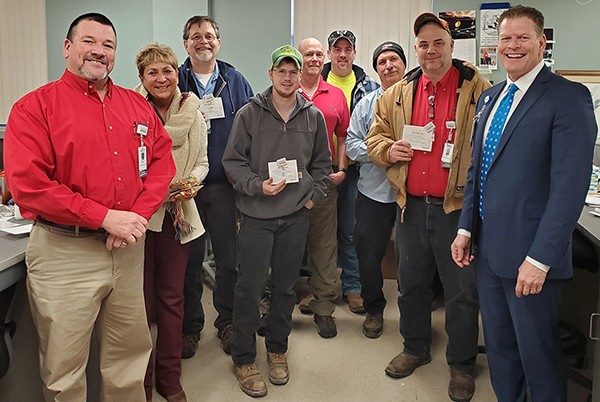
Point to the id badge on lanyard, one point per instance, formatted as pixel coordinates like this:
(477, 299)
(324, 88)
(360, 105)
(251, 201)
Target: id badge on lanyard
(448, 145)
(141, 129)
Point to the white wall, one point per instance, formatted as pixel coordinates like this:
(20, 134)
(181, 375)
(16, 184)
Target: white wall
(250, 31)
(373, 22)
(23, 56)
(138, 22)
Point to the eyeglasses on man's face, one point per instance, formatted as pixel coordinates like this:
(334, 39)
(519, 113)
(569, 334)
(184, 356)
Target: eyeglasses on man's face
(282, 73)
(198, 38)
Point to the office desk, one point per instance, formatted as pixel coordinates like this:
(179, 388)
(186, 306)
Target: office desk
(12, 257)
(589, 225)
(12, 269)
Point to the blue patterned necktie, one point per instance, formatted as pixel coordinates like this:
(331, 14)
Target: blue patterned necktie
(493, 138)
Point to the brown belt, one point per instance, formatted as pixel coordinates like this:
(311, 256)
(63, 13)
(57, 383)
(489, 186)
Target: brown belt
(70, 231)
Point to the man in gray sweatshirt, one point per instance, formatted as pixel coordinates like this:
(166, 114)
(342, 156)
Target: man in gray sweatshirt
(276, 131)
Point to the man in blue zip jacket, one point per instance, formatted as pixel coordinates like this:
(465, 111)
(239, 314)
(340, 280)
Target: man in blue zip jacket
(223, 90)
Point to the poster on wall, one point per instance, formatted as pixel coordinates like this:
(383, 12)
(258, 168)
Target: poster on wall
(488, 57)
(488, 33)
(462, 29)
(488, 30)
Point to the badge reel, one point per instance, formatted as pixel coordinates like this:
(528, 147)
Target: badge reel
(448, 145)
(142, 131)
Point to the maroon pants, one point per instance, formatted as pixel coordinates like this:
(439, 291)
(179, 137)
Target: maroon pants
(164, 273)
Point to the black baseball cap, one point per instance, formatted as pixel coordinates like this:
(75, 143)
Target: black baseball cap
(341, 34)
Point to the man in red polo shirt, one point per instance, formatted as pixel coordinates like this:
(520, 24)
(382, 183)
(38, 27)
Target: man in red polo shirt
(89, 162)
(322, 234)
(421, 134)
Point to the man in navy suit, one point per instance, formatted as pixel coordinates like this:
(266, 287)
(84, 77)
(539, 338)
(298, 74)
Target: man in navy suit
(532, 152)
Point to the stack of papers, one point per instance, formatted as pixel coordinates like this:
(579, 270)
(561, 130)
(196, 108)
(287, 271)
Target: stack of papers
(15, 226)
(593, 200)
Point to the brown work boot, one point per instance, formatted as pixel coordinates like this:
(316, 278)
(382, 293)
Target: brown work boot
(373, 325)
(461, 386)
(189, 345)
(250, 381)
(303, 305)
(178, 397)
(325, 326)
(226, 337)
(405, 364)
(278, 368)
(355, 302)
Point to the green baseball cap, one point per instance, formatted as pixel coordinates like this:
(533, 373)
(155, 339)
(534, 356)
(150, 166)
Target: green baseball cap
(286, 51)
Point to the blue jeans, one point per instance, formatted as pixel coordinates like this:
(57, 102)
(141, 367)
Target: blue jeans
(423, 245)
(347, 258)
(277, 243)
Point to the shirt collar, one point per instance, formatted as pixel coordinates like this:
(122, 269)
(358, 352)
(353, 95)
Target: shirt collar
(524, 82)
(84, 86)
(321, 87)
(210, 84)
(443, 83)
(215, 73)
(344, 80)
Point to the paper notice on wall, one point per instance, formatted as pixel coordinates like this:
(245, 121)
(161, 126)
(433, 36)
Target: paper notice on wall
(464, 49)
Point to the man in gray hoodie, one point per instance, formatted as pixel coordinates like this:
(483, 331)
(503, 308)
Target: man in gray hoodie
(277, 129)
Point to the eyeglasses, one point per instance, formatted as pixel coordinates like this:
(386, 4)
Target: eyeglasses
(335, 35)
(198, 38)
(282, 72)
(431, 107)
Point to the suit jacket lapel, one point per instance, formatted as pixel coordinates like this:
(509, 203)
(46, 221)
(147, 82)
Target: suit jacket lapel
(484, 115)
(536, 90)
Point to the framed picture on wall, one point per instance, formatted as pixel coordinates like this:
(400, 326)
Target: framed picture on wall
(583, 76)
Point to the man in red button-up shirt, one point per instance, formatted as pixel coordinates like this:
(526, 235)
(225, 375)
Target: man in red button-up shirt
(436, 99)
(90, 162)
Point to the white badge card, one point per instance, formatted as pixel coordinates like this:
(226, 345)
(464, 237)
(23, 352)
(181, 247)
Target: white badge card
(142, 161)
(212, 108)
(418, 137)
(282, 169)
(141, 129)
(447, 155)
(430, 128)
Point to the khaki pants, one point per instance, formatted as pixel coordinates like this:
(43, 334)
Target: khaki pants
(73, 284)
(322, 255)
